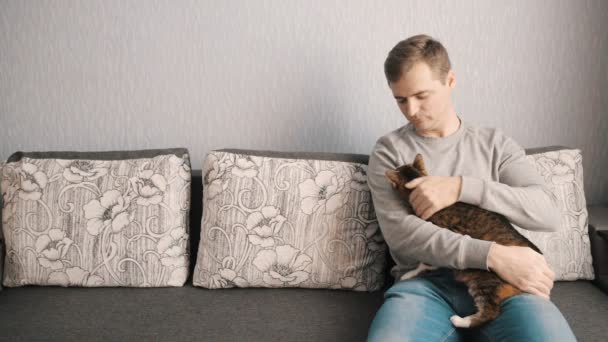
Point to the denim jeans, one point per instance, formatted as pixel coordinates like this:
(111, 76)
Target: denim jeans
(419, 309)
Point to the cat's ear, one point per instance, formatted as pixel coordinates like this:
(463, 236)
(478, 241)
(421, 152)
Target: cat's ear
(393, 178)
(419, 164)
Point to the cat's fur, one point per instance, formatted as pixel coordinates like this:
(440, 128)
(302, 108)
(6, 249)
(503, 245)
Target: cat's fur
(487, 289)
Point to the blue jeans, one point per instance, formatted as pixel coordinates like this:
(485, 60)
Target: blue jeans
(419, 309)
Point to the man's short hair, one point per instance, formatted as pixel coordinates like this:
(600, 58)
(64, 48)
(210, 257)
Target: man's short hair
(419, 48)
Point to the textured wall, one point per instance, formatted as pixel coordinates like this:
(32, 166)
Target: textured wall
(293, 75)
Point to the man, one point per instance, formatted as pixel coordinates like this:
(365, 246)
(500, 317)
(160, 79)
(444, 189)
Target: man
(470, 164)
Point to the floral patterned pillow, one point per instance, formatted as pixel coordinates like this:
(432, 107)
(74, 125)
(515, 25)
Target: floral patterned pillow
(273, 221)
(97, 218)
(567, 252)
(1, 237)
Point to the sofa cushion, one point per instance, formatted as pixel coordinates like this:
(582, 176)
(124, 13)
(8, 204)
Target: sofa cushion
(287, 220)
(567, 251)
(97, 218)
(584, 306)
(254, 314)
(190, 313)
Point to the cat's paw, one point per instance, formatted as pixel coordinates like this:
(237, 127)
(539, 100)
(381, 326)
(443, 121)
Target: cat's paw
(460, 322)
(409, 275)
(420, 269)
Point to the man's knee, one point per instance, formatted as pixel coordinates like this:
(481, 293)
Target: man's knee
(529, 317)
(532, 305)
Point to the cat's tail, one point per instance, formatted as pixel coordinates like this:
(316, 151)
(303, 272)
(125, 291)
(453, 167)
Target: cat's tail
(488, 292)
(486, 313)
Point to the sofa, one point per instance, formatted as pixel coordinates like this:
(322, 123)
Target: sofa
(49, 313)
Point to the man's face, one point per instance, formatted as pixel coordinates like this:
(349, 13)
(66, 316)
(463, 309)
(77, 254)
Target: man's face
(422, 98)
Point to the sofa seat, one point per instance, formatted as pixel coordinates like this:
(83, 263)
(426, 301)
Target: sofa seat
(185, 314)
(254, 314)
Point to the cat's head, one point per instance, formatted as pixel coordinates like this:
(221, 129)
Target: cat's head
(406, 173)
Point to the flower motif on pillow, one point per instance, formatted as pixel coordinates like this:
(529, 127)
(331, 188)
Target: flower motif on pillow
(172, 247)
(32, 182)
(264, 225)
(226, 278)
(109, 210)
(247, 166)
(52, 248)
(359, 181)
(77, 171)
(326, 193)
(283, 265)
(213, 184)
(560, 170)
(150, 187)
(184, 167)
(351, 283)
(9, 191)
(374, 240)
(74, 276)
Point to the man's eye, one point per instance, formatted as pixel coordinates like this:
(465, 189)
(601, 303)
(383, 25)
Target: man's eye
(401, 101)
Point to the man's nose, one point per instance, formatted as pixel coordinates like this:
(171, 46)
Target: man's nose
(412, 108)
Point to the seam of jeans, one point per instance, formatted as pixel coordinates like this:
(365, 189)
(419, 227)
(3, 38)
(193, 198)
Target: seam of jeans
(445, 337)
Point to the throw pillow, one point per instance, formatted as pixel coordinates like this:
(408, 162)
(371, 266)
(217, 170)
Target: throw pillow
(277, 219)
(97, 218)
(568, 251)
(1, 219)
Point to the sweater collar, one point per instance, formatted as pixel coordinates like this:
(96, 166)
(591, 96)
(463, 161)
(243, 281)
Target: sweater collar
(436, 141)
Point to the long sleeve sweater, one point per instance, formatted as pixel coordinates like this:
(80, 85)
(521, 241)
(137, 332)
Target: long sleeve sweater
(495, 175)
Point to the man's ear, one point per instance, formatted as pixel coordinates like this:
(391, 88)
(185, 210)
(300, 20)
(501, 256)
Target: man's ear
(419, 164)
(451, 79)
(393, 178)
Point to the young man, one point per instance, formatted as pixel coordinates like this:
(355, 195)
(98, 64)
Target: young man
(470, 164)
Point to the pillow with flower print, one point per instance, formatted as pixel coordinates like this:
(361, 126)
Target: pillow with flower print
(2, 219)
(567, 251)
(278, 219)
(96, 218)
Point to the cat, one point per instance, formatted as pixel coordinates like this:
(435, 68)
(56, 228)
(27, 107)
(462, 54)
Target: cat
(487, 289)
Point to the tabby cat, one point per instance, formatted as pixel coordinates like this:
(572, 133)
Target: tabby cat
(487, 289)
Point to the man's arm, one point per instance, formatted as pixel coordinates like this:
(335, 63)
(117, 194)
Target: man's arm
(407, 235)
(521, 196)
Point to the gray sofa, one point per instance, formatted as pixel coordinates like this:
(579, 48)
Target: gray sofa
(253, 314)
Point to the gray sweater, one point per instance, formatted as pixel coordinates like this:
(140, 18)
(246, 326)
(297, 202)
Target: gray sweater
(495, 176)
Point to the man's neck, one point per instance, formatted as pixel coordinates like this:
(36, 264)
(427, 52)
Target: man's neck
(451, 126)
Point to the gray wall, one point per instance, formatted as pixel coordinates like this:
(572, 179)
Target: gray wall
(293, 75)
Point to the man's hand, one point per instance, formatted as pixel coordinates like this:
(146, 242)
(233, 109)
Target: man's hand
(523, 268)
(433, 193)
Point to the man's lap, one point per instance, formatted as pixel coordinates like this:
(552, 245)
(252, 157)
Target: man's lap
(420, 308)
